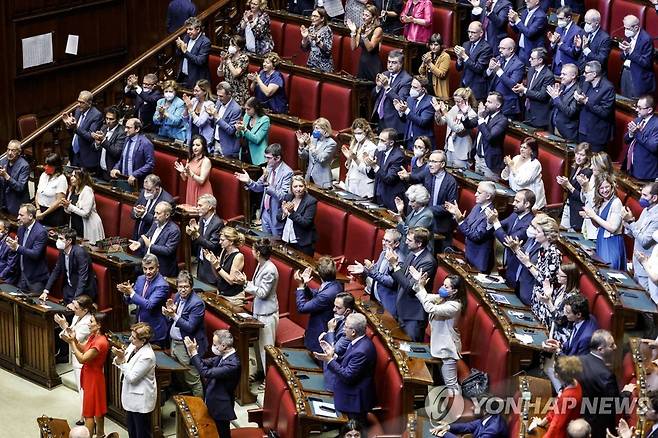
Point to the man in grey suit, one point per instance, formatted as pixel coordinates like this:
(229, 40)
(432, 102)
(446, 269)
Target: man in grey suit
(642, 230)
(275, 185)
(419, 215)
(110, 140)
(225, 115)
(266, 304)
(204, 234)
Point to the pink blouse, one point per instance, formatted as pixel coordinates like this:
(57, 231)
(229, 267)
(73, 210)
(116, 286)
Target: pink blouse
(423, 11)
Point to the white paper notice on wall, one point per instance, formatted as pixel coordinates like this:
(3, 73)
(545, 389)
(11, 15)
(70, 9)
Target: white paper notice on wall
(37, 50)
(72, 45)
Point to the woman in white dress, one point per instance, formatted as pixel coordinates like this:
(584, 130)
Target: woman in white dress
(51, 190)
(524, 171)
(83, 308)
(81, 206)
(458, 143)
(357, 180)
(601, 165)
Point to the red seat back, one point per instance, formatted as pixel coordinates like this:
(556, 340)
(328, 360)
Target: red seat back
(110, 210)
(212, 323)
(378, 242)
(52, 254)
(285, 136)
(361, 241)
(330, 223)
(285, 287)
(229, 193)
(454, 79)
(250, 261)
(552, 165)
(292, 45)
(336, 43)
(164, 168)
(276, 29)
(103, 290)
(287, 423)
(384, 50)
(618, 149)
(127, 224)
(603, 6)
(498, 363)
(349, 58)
(388, 387)
(620, 9)
(603, 312)
(467, 319)
(511, 145)
(213, 63)
(588, 290)
(443, 22)
(275, 386)
(336, 105)
(483, 326)
(615, 65)
(304, 97)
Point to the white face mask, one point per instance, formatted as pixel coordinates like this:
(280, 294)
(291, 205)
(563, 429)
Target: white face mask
(60, 244)
(589, 28)
(216, 351)
(169, 95)
(531, 232)
(654, 236)
(381, 146)
(561, 23)
(232, 50)
(418, 152)
(338, 317)
(359, 137)
(414, 93)
(629, 33)
(148, 196)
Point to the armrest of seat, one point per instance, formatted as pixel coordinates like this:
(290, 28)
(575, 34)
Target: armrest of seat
(255, 416)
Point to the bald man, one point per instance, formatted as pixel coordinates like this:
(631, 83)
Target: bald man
(505, 72)
(595, 44)
(473, 59)
(637, 53)
(81, 123)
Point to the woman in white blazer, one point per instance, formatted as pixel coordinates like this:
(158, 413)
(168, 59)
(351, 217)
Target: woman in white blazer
(459, 142)
(83, 308)
(524, 172)
(443, 309)
(138, 387)
(80, 204)
(357, 180)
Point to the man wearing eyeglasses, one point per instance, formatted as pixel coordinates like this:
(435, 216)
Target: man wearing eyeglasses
(473, 59)
(14, 174)
(146, 98)
(597, 102)
(642, 139)
(82, 122)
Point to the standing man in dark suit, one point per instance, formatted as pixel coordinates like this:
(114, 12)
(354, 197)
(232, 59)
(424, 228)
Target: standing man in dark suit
(14, 174)
(354, 389)
(389, 158)
(595, 44)
(145, 98)
(637, 52)
(597, 103)
(392, 84)
(177, 12)
(537, 102)
(531, 26)
(514, 226)
(222, 373)
(186, 311)
(417, 113)
(82, 122)
(204, 234)
(505, 72)
(318, 303)
(110, 140)
(493, 14)
(149, 197)
(411, 315)
(491, 124)
(161, 239)
(642, 139)
(225, 115)
(194, 49)
(473, 60)
(138, 156)
(562, 41)
(565, 116)
(74, 266)
(8, 258)
(477, 231)
(30, 245)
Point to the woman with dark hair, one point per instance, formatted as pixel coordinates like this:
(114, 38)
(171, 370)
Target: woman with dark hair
(568, 277)
(435, 67)
(268, 85)
(255, 128)
(81, 207)
(368, 36)
(233, 69)
(197, 170)
(524, 171)
(443, 309)
(416, 17)
(571, 219)
(318, 40)
(169, 114)
(255, 28)
(298, 211)
(422, 150)
(51, 191)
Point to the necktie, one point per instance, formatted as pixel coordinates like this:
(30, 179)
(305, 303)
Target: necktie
(380, 107)
(127, 162)
(267, 198)
(485, 24)
(147, 283)
(435, 190)
(532, 80)
(76, 140)
(631, 148)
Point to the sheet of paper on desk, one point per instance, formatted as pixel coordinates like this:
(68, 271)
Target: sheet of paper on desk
(483, 278)
(617, 275)
(318, 409)
(45, 306)
(244, 315)
(404, 346)
(525, 339)
(499, 298)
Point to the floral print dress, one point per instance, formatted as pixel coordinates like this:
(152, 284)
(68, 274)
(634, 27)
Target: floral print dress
(239, 84)
(548, 263)
(260, 27)
(319, 44)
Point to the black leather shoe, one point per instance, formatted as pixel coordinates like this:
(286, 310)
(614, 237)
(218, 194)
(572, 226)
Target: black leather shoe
(79, 423)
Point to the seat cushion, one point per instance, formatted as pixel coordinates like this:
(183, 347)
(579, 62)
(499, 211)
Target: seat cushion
(110, 211)
(304, 97)
(289, 334)
(336, 105)
(164, 168)
(285, 136)
(292, 45)
(361, 241)
(330, 223)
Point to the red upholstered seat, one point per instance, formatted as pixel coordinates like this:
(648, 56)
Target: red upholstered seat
(651, 25)
(285, 136)
(390, 400)
(336, 105)
(552, 165)
(289, 334)
(285, 287)
(483, 327)
(454, 77)
(466, 320)
(615, 66)
(249, 261)
(292, 45)
(330, 223)
(110, 211)
(127, 224)
(337, 42)
(349, 58)
(384, 50)
(164, 168)
(588, 290)
(620, 9)
(618, 148)
(360, 240)
(213, 63)
(287, 421)
(212, 323)
(603, 312)
(228, 191)
(103, 290)
(466, 201)
(628, 368)
(51, 259)
(378, 242)
(498, 363)
(275, 387)
(304, 99)
(443, 22)
(441, 274)
(27, 124)
(277, 28)
(511, 145)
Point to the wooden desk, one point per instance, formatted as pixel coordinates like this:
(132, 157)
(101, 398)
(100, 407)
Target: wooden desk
(640, 357)
(192, 418)
(27, 336)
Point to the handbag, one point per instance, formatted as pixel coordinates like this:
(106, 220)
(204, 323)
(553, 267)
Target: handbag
(476, 384)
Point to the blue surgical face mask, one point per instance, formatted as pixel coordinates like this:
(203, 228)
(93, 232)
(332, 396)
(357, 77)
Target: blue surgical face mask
(443, 292)
(644, 203)
(317, 134)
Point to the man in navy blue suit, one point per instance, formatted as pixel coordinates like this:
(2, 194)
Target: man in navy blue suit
(473, 60)
(318, 303)
(562, 40)
(222, 374)
(491, 124)
(8, 258)
(177, 12)
(186, 311)
(161, 239)
(14, 174)
(595, 44)
(565, 115)
(531, 26)
(109, 140)
(417, 112)
(392, 84)
(150, 196)
(637, 52)
(389, 158)
(30, 246)
(410, 312)
(82, 122)
(477, 231)
(194, 49)
(505, 72)
(138, 156)
(149, 293)
(514, 226)
(145, 97)
(225, 115)
(642, 139)
(536, 100)
(597, 103)
(491, 425)
(74, 266)
(354, 389)
(493, 14)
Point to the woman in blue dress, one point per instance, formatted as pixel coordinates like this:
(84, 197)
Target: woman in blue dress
(268, 85)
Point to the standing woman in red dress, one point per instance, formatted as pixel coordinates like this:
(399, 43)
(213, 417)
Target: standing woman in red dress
(92, 355)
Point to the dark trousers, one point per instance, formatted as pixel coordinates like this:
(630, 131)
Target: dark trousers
(224, 428)
(306, 249)
(30, 286)
(415, 329)
(138, 424)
